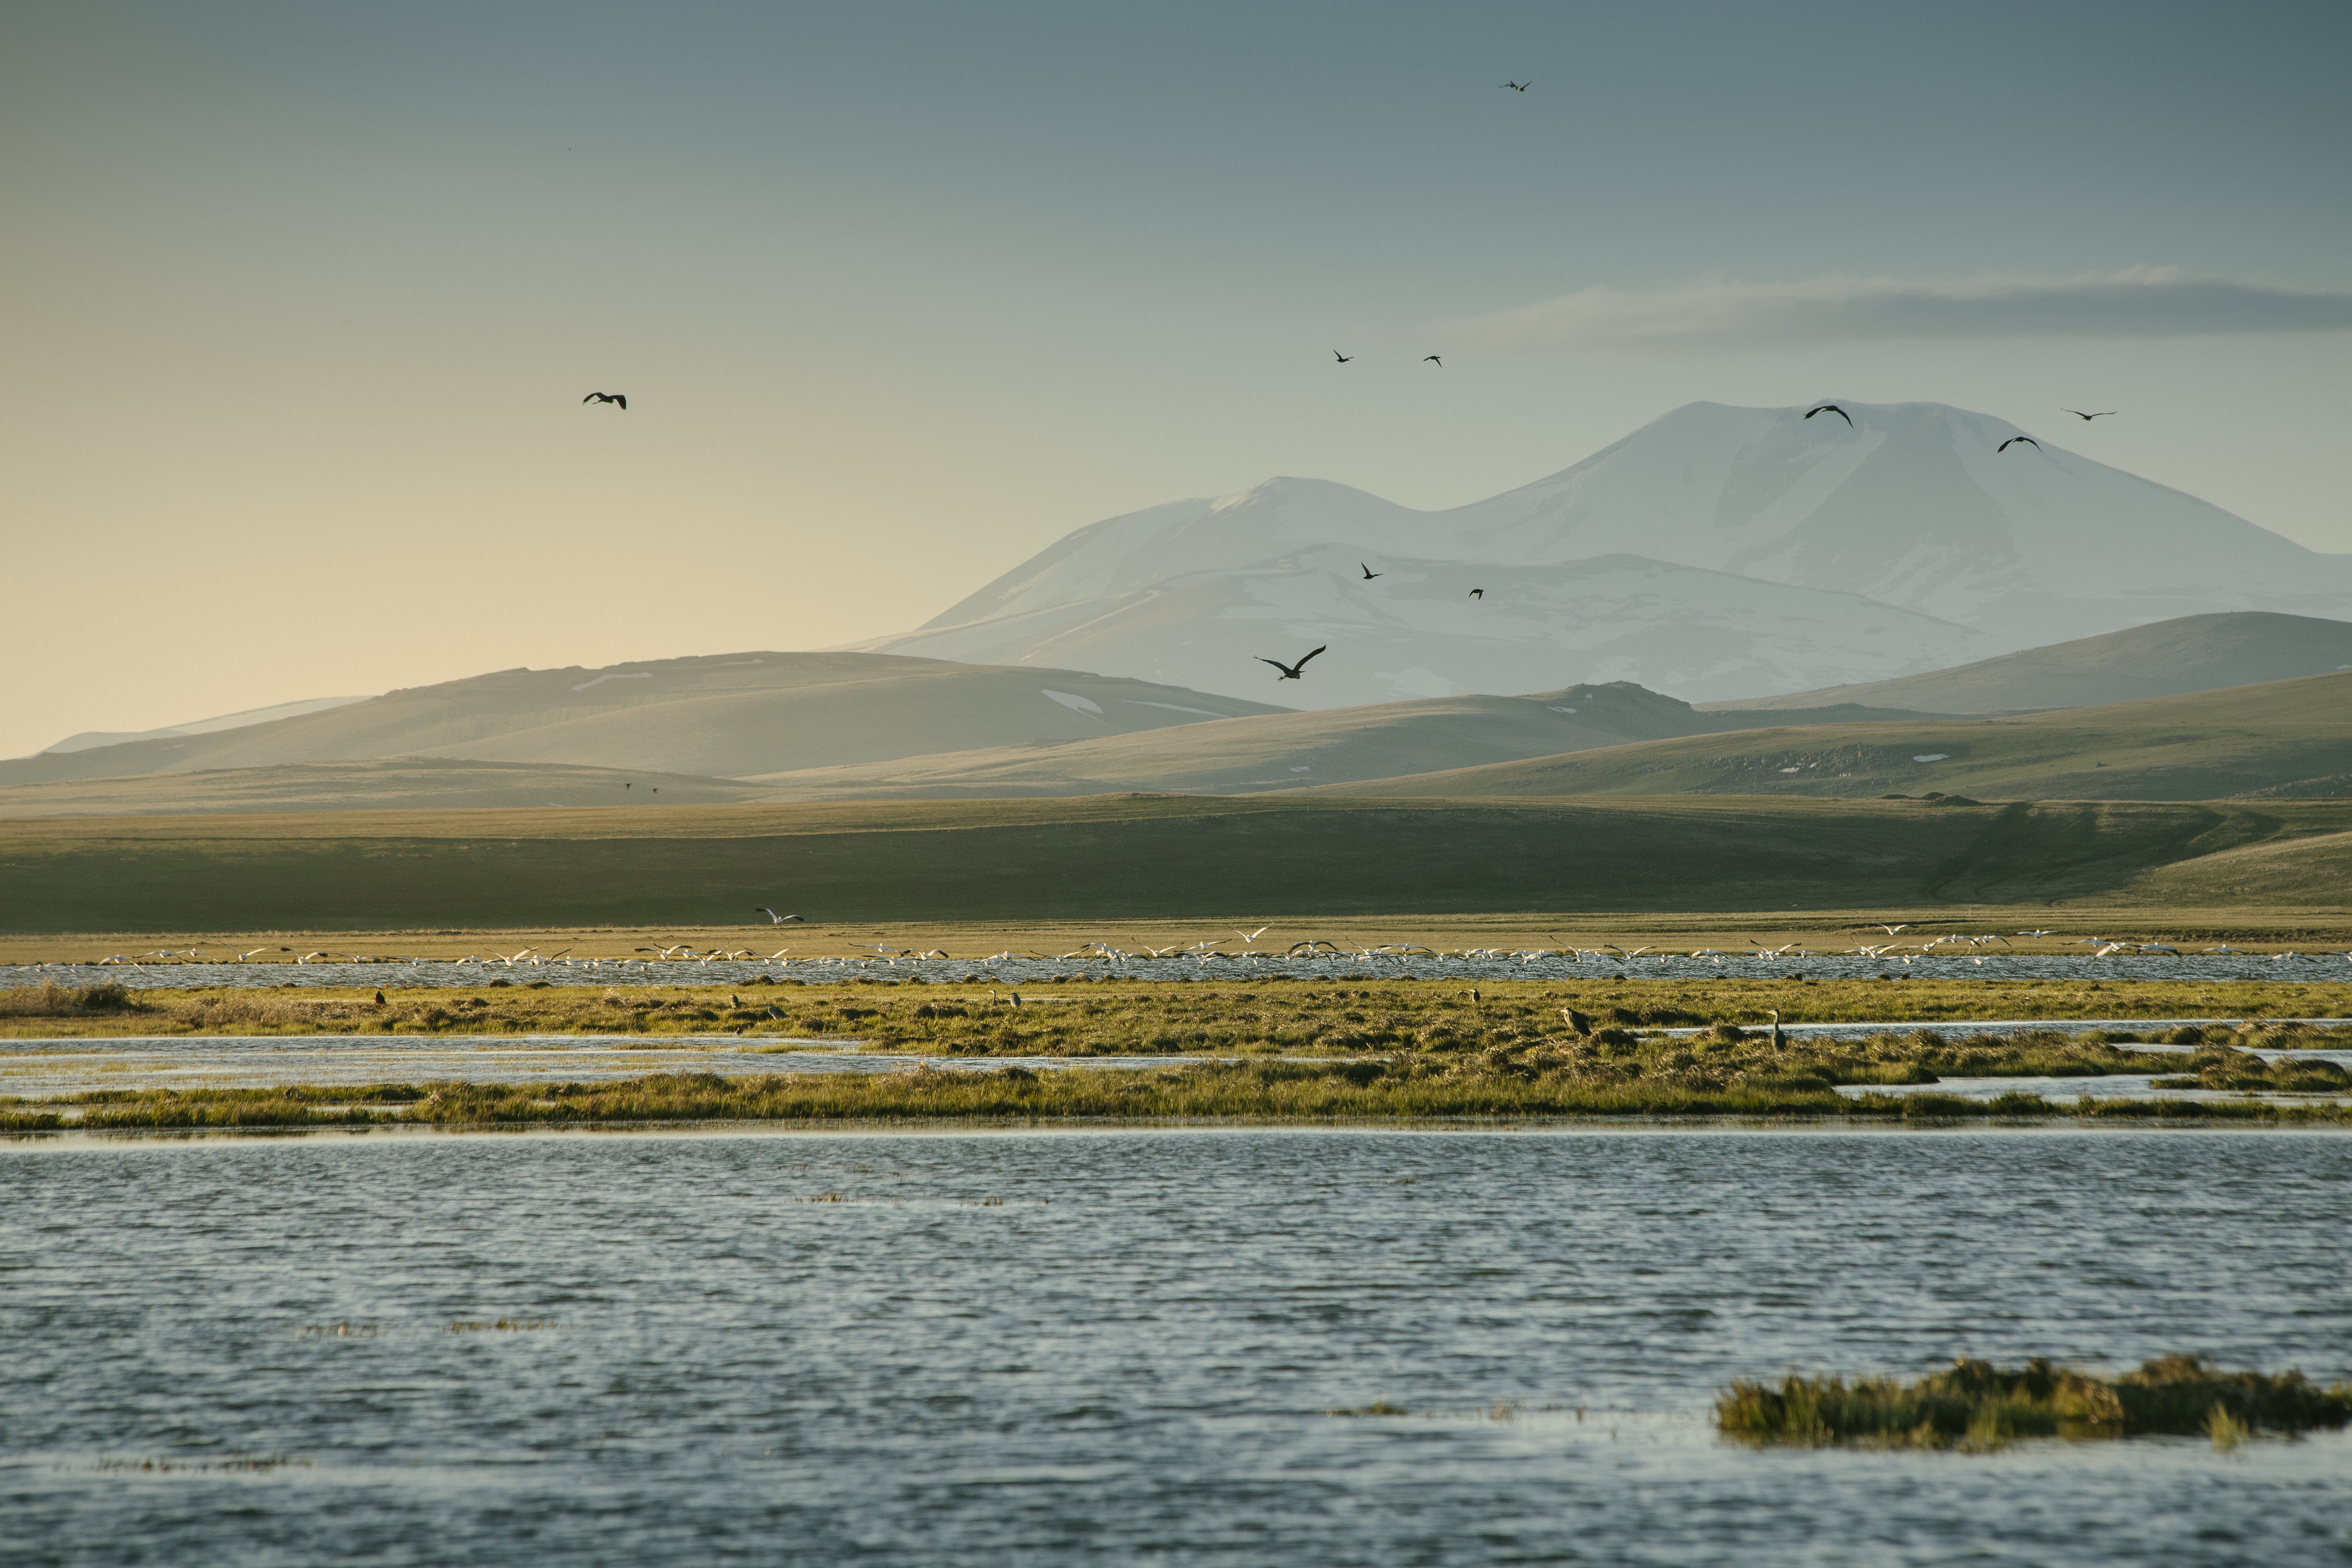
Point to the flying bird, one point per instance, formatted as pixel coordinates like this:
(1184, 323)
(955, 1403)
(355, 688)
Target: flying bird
(1478, 593)
(1432, 359)
(1368, 572)
(2086, 418)
(2013, 440)
(1831, 408)
(1520, 86)
(1343, 358)
(613, 397)
(1289, 671)
(773, 917)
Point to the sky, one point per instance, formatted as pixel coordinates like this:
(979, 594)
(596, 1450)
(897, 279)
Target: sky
(301, 300)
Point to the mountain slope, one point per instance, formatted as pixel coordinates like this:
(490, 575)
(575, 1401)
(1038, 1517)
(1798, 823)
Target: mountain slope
(718, 715)
(1288, 750)
(398, 783)
(2191, 652)
(2282, 740)
(89, 739)
(1416, 631)
(1913, 506)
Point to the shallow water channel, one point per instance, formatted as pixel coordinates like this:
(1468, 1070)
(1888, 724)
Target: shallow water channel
(1104, 1347)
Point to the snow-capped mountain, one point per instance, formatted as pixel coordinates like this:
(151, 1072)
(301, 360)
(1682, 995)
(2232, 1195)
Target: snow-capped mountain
(1716, 553)
(1416, 631)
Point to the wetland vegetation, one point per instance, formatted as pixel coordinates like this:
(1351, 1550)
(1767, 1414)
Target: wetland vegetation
(1979, 1407)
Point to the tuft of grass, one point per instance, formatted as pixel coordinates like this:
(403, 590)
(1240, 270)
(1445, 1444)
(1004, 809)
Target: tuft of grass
(51, 1000)
(1977, 1407)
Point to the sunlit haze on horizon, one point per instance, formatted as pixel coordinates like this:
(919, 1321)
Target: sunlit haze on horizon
(303, 301)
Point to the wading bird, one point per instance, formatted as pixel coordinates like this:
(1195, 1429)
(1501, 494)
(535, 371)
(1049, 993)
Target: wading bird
(2013, 440)
(2086, 418)
(1289, 671)
(1343, 358)
(773, 917)
(1831, 408)
(613, 397)
(1368, 572)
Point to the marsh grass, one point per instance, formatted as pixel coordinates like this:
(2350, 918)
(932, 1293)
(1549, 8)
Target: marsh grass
(51, 1000)
(1406, 1089)
(1977, 1407)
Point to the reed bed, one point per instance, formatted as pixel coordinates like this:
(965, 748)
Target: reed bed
(1977, 1407)
(1406, 1089)
(1076, 1016)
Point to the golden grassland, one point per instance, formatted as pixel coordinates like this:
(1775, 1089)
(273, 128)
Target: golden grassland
(1076, 1015)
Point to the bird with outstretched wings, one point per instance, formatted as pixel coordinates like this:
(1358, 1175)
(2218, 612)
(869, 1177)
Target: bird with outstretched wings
(1289, 671)
(1831, 408)
(2013, 440)
(613, 397)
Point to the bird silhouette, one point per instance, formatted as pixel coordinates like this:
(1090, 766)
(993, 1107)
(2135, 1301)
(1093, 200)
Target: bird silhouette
(1432, 359)
(1478, 593)
(1343, 358)
(1289, 671)
(1368, 572)
(2013, 440)
(615, 398)
(2086, 418)
(1519, 86)
(1831, 408)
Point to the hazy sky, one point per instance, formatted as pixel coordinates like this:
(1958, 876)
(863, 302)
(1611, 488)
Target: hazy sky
(301, 300)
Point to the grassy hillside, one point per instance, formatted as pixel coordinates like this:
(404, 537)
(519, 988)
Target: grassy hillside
(397, 783)
(2193, 653)
(2285, 739)
(1105, 857)
(1287, 750)
(718, 717)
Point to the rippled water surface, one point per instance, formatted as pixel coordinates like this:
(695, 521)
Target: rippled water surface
(1118, 1346)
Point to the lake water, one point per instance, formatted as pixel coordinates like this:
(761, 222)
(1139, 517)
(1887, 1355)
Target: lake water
(1107, 1347)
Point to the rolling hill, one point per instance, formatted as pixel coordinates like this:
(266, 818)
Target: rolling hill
(2190, 653)
(2279, 739)
(722, 716)
(1712, 554)
(393, 784)
(1286, 750)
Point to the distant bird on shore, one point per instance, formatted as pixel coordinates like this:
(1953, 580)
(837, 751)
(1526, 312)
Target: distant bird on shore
(1343, 358)
(2013, 440)
(773, 917)
(1368, 572)
(1478, 593)
(1831, 408)
(2086, 418)
(621, 399)
(1432, 359)
(1520, 86)
(1289, 671)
